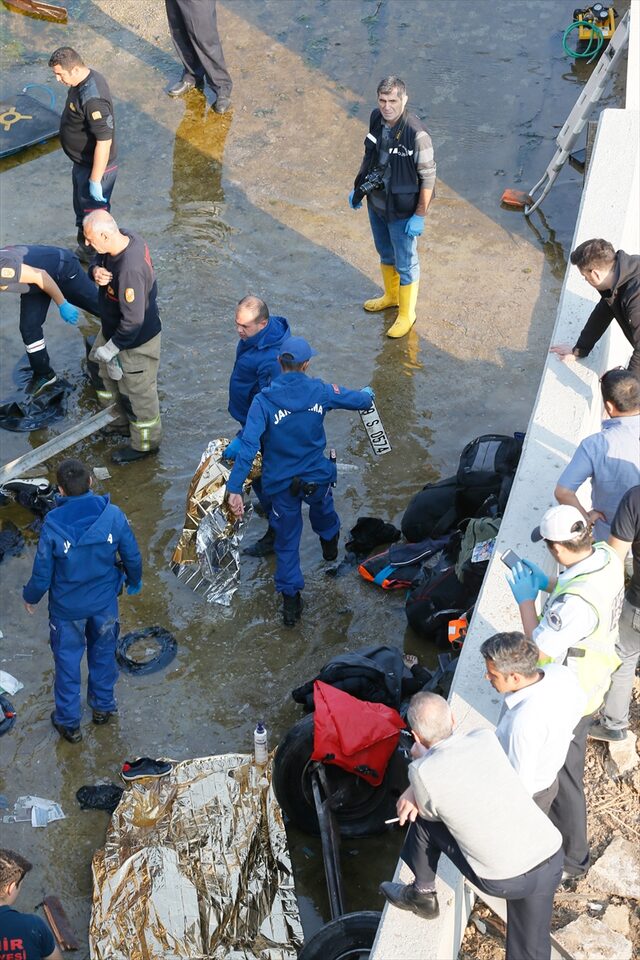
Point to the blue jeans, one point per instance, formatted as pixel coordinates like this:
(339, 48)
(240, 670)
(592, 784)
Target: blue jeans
(83, 202)
(68, 638)
(286, 520)
(394, 247)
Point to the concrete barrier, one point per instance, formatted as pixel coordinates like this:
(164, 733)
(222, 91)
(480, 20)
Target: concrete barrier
(567, 408)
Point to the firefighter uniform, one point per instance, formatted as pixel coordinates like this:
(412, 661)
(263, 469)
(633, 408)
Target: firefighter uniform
(131, 321)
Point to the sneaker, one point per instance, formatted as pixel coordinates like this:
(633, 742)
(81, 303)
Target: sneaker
(39, 382)
(72, 734)
(129, 455)
(144, 768)
(404, 896)
(291, 609)
(598, 731)
(330, 547)
(263, 547)
(101, 717)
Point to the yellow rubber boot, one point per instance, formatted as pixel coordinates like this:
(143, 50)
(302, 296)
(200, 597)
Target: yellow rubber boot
(391, 281)
(407, 312)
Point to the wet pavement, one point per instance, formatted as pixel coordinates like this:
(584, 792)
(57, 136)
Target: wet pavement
(256, 201)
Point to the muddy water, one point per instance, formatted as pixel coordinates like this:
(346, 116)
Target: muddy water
(256, 202)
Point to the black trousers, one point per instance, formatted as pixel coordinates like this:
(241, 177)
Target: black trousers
(529, 896)
(569, 809)
(194, 31)
(76, 288)
(83, 202)
(544, 798)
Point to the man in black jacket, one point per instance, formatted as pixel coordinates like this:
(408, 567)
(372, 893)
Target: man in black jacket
(398, 177)
(616, 277)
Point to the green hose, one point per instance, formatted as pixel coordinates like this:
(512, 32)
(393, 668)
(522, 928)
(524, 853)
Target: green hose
(596, 34)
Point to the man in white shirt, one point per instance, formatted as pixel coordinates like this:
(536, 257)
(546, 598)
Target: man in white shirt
(542, 705)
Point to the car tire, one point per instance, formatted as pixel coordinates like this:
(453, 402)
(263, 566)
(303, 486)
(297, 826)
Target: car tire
(349, 937)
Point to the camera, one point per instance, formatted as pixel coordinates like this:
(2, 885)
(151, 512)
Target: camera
(374, 180)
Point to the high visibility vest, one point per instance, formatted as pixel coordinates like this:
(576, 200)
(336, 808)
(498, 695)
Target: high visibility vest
(594, 658)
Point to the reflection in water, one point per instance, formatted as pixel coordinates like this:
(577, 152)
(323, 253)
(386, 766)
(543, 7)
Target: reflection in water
(196, 195)
(553, 249)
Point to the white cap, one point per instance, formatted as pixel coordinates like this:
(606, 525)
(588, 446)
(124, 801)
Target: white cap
(560, 524)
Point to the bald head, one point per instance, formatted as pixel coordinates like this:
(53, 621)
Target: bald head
(252, 315)
(101, 231)
(430, 717)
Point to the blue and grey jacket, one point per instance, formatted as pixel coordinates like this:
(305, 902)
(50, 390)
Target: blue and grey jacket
(256, 365)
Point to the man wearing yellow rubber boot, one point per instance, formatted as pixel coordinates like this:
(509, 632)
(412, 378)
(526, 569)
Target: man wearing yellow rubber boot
(398, 177)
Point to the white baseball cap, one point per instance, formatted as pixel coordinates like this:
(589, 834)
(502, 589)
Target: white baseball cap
(560, 524)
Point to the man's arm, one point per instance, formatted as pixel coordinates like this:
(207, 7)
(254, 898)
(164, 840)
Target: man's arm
(621, 547)
(341, 398)
(42, 572)
(566, 496)
(132, 302)
(249, 445)
(100, 159)
(426, 170)
(424, 199)
(130, 554)
(42, 280)
(599, 319)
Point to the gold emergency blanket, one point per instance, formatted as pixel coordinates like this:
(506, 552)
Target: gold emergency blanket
(196, 865)
(206, 556)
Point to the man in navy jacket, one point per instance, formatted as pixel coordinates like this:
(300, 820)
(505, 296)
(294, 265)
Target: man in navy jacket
(286, 419)
(256, 365)
(86, 551)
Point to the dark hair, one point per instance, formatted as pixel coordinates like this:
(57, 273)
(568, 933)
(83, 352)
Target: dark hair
(12, 868)
(66, 57)
(391, 83)
(593, 255)
(511, 653)
(289, 364)
(251, 302)
(580, 543)
(622, 389)
(73, 477)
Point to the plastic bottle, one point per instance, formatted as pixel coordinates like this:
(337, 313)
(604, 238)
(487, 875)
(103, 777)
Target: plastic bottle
(260, 748)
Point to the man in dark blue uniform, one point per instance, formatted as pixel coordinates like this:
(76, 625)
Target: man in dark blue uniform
(51, 273)
(87, 135)
(287, 421)
(86, 552)
(194, 31)
(256, 365)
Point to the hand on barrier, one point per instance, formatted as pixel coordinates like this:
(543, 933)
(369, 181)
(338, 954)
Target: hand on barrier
(414, 226)
(232, 450)
(523, 583)
(541, 579)
(95, 189)
(68, 312)
(107, 351)
(133, 589)
(354, 206)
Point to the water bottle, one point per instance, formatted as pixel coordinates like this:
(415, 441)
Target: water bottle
(260, 749)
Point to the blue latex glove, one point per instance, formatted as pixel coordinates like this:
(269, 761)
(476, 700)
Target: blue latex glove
(68, 312)
(370, 391)
(134, 588)
(540, 577)
(353, 206)
(414, 226)
(95, 189)
(233, 449)
(523, 583)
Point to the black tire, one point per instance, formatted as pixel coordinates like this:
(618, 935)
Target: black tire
(350, 937)
(360, 808)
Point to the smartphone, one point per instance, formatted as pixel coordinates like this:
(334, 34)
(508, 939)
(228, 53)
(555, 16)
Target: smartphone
(510, 558)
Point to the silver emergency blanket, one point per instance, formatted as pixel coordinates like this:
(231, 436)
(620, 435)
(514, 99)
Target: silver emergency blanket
(196, 865)
(207, 556)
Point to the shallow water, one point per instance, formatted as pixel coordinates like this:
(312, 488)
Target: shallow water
(256, 202)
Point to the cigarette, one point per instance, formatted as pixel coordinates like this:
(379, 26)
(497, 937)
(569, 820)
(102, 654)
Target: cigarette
(393, 820)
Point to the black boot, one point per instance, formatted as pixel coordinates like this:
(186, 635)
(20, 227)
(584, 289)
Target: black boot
(330, 547)
(128, 455)
(262, 547)
(291, 609)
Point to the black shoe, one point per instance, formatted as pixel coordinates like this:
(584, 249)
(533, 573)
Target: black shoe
(598, 731)
(263, 547)
(222, 105)
(72, 734)
(291, 609)
(330, 547)
(115, 430)
(571, 875)
(184, 86)
(144, 768)
(101, 717)
(404, 896)
(39, 382)
(129, 455)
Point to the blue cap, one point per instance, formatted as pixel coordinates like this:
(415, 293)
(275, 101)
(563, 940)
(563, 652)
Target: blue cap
(297, 349)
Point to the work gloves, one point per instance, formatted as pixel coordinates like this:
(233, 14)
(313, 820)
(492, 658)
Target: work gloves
(106, 352)
(68, 312)
(133, 589)
(370, 391)
(523, 583)
(414, 226)
(233, 449)
(354, 206)
(95, 189)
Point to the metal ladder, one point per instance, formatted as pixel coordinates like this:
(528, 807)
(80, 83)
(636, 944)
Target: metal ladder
(578, 117)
